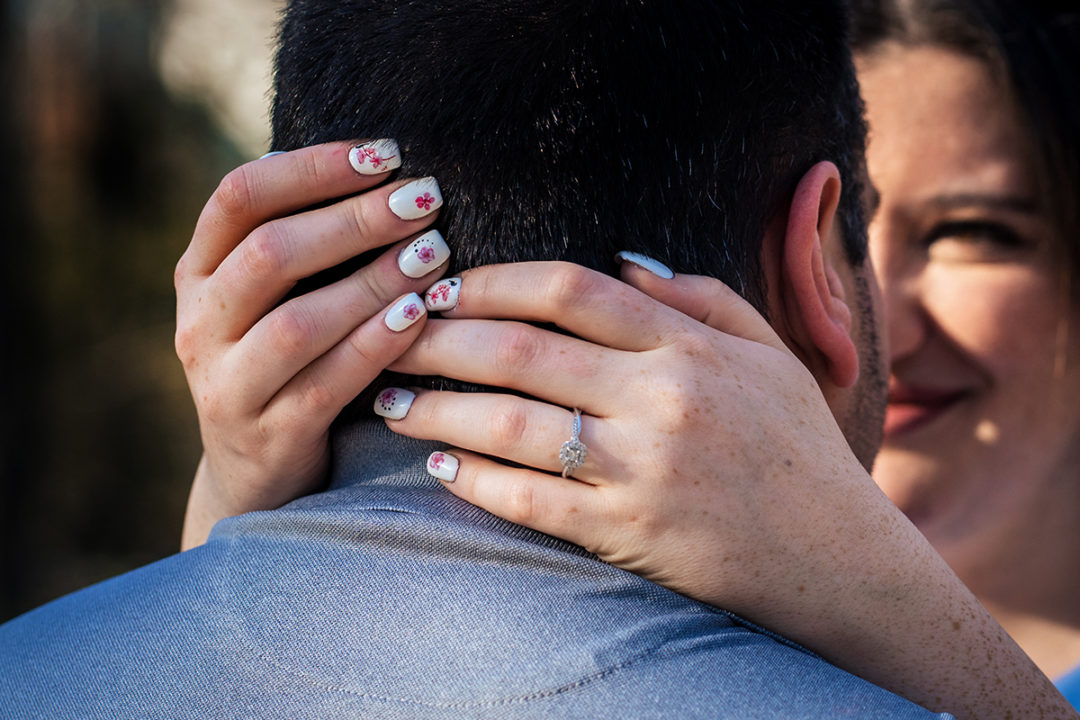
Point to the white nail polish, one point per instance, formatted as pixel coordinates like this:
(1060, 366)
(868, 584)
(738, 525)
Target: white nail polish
(423, 254)
(375, 157)
(442, 466)
(443, 295)
(272, 153)
(405, 312)
(394, 403)
(645, 263)
(417, 199)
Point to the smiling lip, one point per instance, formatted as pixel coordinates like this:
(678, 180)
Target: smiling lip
(910, 408)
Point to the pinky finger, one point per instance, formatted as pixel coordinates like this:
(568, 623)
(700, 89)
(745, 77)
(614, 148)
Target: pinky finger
(547, 503)
(315, 395)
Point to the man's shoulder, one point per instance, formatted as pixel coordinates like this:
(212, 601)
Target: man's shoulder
(369, 604)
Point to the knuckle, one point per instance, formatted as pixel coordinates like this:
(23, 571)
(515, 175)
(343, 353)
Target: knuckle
(316, 397)
(509, 425)
(368, 291)
(358, 216)
(185, 341)
(180, 273)
(235, 193)
(292, 330)
(517, 346)
(366, 352)
(520, 501)
(262, 254)
(572, 285)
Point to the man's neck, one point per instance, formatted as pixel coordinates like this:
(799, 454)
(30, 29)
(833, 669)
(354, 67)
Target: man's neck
(367, 452)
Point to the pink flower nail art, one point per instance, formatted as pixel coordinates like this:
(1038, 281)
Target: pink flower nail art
(424, 201)
(377, 161)
(375, 157)
(443, 295)
(387, 398)
(411, 312)
(426, 254)
(439, 292)
(436, 461)
(394, 403)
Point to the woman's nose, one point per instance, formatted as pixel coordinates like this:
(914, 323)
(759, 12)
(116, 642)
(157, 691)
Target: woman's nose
(905, 315)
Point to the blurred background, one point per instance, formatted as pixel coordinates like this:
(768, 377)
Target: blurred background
(122, 116)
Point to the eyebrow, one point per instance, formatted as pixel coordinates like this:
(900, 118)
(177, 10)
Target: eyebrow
(1015, 203)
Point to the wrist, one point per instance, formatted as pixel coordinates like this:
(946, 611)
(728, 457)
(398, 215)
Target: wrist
(206, 505)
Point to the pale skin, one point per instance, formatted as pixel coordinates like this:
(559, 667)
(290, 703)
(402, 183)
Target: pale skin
(742, 414)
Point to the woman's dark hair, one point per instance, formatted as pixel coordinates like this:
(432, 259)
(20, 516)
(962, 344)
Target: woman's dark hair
(1035, 49)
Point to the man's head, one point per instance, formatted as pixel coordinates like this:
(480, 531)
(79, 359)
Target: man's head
(572, 130)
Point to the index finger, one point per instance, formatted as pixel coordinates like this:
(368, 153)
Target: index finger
(279, 185)
(587, 303)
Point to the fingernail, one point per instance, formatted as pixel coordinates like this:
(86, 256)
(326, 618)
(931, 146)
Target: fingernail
(394, 403)
(405, 312)
(423, 254)
(272, 153)
(442, 466)
(375, 157)
(645, 263)
(417, 199)
(443, 295)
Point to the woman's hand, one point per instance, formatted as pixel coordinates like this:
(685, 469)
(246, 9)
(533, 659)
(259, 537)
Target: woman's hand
(269, 377)
(709, 453)
(714, 467)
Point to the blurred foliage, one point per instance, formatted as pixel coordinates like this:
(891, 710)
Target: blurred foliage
(104, 176)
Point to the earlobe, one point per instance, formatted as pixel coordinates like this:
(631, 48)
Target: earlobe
(817, 306)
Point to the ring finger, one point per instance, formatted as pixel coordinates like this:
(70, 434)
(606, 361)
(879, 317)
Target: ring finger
(523, 431)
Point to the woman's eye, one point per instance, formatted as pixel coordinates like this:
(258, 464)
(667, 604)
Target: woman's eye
(973, 241)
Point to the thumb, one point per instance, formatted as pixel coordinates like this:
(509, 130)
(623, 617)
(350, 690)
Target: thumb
(704, 299)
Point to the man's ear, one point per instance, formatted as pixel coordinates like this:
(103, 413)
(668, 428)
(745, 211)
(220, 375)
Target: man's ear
(813, 260)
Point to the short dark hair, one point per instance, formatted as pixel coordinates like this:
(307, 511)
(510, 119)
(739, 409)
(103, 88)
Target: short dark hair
(571, 129)
(1033, 49)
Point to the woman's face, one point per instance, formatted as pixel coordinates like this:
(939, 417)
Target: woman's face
(984, 404)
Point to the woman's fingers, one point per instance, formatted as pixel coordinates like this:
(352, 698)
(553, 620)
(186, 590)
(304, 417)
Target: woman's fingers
(293, 335)
(275, 186)
(601, 309)
(706, 300)
(516, 429)
(543, 502)
(589, 304)
(558, 368)
(315, 396)
(277, 254)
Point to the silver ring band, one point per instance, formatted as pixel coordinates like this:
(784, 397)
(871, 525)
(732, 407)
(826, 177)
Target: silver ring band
(573, 451)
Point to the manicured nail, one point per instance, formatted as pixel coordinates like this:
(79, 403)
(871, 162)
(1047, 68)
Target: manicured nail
(423, 254)
(443, 466)
(375, 157)
(272, 153)
(645, 263)
(417, 199)
(405, 312)
(394, 403)
(443, 294)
